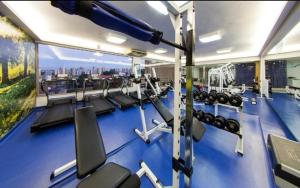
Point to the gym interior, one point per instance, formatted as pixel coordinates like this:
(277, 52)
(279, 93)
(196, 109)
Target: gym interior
(150, 94)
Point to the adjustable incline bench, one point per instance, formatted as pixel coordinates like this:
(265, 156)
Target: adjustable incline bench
(286, 161)
(91, 156)
(167, 126)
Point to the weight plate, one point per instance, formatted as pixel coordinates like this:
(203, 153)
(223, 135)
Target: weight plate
(233, 125)
(212, 97)
(213, 91)
(208, 118)
(235, 100)
(222, 98)
(220, 122)
(200, 115)
(203, 95)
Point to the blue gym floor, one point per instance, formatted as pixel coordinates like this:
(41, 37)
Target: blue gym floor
(288, 109)
(27, 160)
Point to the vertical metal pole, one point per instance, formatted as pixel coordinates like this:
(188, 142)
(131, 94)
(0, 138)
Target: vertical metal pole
(177, 98)
(262, 77)
(188, 157)
(204, 76)
(136, 62)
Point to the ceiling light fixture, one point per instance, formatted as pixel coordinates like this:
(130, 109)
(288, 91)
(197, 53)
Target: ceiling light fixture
(160, 51)
(116, 39)
(159, 7)
(159, 57)
(225, 50)
(98, 54)
(210, 37)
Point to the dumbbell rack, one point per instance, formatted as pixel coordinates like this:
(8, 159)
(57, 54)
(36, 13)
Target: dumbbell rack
(239, 148)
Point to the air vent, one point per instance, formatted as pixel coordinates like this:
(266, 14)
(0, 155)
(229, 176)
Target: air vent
(136, 53)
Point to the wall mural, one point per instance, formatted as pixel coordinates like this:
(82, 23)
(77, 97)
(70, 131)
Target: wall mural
(17, 75)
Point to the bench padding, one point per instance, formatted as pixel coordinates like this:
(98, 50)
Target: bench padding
(90, 151)
(110, 176)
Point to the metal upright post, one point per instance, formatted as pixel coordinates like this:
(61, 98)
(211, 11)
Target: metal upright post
(188, 157)
(177, 98)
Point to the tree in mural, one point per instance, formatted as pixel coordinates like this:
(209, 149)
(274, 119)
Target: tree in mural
(8, 53)
(28, 47)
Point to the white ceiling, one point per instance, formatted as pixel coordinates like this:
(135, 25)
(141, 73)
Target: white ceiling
(245, 24)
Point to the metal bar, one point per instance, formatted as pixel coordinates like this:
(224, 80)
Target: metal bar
(188, 157)
(173, 44)
(62, 169)
(177, 99)
(146, 170)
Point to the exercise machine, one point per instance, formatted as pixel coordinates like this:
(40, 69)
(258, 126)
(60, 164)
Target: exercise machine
(153, 84)
(224, 76)
(167, 125)
(58, 110)
(119, 98)
(104, 14)
(97, 100)
(285, 156)
(140, 79)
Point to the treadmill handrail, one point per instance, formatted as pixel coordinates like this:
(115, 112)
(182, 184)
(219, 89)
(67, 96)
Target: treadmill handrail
(44, 86)
(103, 88)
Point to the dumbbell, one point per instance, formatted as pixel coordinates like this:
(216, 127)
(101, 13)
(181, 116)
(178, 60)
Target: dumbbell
(203, 95)
(208, 118)
(199, 114)
(232, 125)
(196, 96)
(222, 98)
(235, 100)
(212, 97)
(220, 122)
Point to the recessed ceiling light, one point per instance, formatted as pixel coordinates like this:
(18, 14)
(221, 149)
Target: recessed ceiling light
(160, 51)
(224, 50)
(209, 37)
(159, 7)
(116, 39)
(98, 54)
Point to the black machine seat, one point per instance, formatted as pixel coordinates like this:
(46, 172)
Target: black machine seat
(286, 160)
(91, 156)
(198, 128)
(100, 104)
(122, 100)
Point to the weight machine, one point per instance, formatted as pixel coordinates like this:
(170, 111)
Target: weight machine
(224, 75)
(104, 14)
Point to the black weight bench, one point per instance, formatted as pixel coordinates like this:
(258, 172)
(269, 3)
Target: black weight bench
(91, 156)
(285, 156)
(198, 128)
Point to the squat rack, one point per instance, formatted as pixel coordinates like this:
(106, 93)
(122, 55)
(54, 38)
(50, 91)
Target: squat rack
(93, 10)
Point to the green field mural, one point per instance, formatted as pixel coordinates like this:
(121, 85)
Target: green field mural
(17, 75)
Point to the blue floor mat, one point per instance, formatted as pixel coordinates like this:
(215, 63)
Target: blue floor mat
(288, 110)
(28, 159)
(216, 163)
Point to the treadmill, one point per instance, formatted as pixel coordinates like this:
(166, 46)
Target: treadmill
(119, 98)
(99, 102)
(58, 110)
